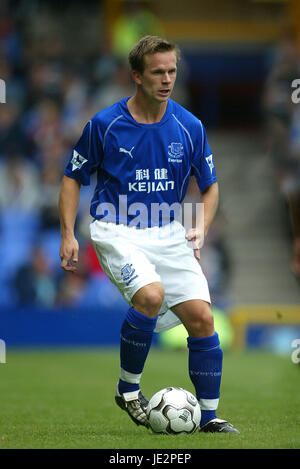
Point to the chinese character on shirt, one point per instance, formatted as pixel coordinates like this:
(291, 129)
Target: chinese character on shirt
(161, 173)
(141, 174)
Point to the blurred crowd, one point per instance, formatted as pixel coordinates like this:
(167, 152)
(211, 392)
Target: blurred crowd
(282, 131)
(51, 92)
(49, 98)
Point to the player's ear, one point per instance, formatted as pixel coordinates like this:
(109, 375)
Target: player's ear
(136, 76)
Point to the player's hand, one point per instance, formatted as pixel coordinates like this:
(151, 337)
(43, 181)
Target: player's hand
(68, 253)
(195, 236)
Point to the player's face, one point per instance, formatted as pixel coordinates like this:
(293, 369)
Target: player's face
(159, 75)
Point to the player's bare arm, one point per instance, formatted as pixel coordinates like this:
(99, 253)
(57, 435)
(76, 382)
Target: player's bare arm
(68, 205)
(210, 199)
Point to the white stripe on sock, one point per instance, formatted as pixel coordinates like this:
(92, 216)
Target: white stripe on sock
(209, 404)
(130, 377)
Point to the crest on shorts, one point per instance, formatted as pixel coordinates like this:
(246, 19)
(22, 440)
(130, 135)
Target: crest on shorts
(127, 273)
(175, 150)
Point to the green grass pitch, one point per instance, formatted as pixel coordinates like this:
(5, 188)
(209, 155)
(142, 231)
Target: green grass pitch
(65, 399)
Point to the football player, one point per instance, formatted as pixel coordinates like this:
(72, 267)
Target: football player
(144, 149)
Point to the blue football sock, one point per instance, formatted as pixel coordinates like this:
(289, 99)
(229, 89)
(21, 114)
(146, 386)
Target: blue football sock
(136, 337)
(205, 369)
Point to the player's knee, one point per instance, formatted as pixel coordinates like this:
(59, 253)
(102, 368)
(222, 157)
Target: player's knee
(207, 319)
(149, 300)
(202, 325)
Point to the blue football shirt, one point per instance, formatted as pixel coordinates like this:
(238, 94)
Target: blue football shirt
(143, 170)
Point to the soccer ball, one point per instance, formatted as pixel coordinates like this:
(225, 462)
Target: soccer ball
(172, 411)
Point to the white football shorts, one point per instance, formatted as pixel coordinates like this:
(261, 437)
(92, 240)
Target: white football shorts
(133, 258)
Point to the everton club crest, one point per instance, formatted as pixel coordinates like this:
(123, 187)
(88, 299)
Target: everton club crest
(175, 151)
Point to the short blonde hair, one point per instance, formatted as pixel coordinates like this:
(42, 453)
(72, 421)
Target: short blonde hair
(150, 45)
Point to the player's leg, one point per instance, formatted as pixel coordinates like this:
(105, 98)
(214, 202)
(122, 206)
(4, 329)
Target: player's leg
(136, 335)
(187, 295)
(135, 342)
(205, 361)
(205, 354)
(136, 278)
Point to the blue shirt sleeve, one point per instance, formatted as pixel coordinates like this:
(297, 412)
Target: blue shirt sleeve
(203, 166)
(87, 154)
